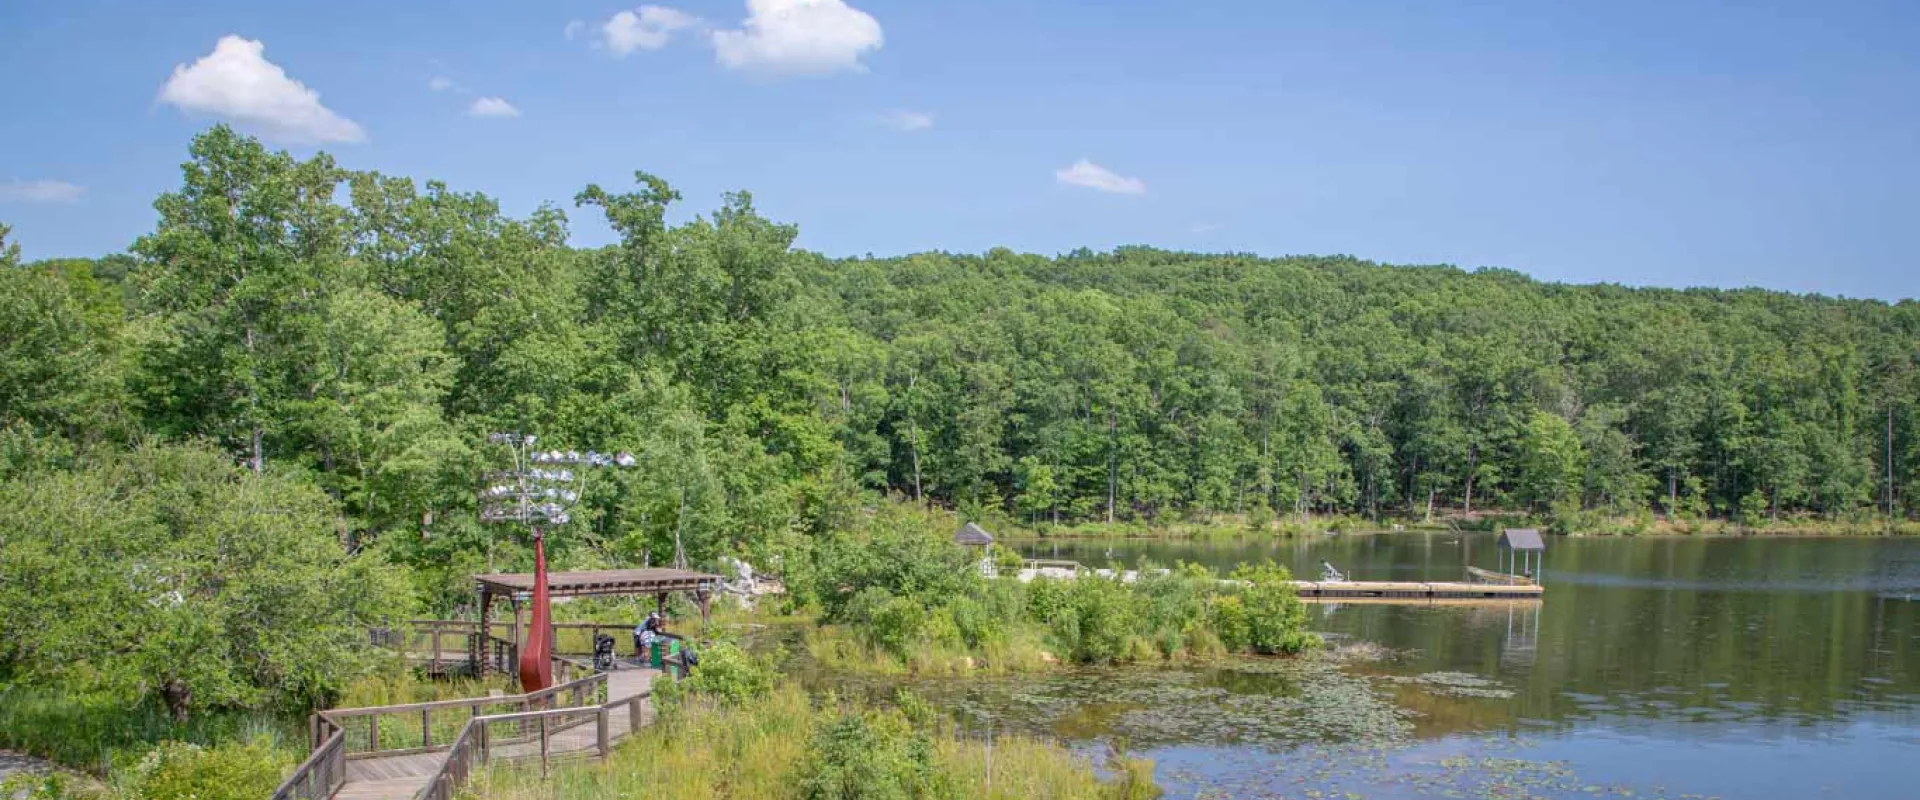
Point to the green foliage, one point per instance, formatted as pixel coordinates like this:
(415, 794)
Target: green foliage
(95, 730)
(168, 573)
(1276, 620)
(179, 771)
(729, 675)
(871, 755)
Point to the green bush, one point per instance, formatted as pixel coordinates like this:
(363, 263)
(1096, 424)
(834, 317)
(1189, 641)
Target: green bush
(1276, 619)
(180, 771)
(875, 755)
(729, 675)
(1227, 616)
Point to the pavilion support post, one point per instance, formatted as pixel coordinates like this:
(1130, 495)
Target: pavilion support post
(706, 605)
(482, 643)
(516, 627)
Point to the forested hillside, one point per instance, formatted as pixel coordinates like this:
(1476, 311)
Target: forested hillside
(364, 333)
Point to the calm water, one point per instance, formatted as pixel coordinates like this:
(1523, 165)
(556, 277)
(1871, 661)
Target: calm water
(1655, 667)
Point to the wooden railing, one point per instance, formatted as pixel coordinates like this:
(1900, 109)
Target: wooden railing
(1050, 563)
(433, 643)
(530, 734)
(325, 769)
(427, 727)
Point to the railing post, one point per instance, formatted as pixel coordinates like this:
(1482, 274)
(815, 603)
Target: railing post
(633, 714)
(426, 727)
(543, 746)
(600, 724)
(373, 733)
(435, 669)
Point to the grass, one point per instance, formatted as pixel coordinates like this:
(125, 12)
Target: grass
(838, 648)
(95, 732)
(768, 749)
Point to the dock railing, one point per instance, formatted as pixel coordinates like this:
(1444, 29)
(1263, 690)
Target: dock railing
(325, 769)
(426, 727)
(528, 735)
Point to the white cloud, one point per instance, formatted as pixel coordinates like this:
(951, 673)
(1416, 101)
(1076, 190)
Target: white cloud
(904, 120)
(574, 29)
(40, 192)
(1202, 227)
(236, 82)
(644, 28)
(1093, 176)
(440, 83)
(492, 107)
(802, 37)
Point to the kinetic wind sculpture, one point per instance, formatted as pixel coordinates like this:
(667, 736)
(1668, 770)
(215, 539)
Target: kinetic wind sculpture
(537, 492)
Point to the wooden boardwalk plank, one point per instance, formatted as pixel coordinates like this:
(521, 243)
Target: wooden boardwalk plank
(400, 777)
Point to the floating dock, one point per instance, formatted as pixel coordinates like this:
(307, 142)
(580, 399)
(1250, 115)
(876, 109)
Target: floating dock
(1330, 591)
(1491, 586)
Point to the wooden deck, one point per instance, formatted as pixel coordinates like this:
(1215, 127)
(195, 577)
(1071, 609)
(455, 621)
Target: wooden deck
(1415, 591)
(405, 775)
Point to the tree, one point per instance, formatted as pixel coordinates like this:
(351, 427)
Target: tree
(167, 573)
(1551, 462)
(249, 245)
(59, 349)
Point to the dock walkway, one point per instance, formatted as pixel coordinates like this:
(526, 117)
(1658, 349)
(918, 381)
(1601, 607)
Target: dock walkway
(432, 749)
(1328, 591)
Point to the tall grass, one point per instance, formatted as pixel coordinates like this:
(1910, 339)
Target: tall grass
(774, 747)
(95, 732)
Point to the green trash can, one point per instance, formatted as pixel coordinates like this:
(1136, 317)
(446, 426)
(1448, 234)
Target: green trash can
(662, 648)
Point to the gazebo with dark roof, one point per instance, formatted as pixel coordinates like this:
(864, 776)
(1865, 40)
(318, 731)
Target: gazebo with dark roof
(972, 535)
(656, 581)
(1522, 547)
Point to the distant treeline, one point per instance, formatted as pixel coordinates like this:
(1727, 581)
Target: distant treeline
(367, 332)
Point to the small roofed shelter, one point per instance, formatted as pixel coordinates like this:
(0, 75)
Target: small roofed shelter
(1521, 550)
(971, 535)
(656, 581)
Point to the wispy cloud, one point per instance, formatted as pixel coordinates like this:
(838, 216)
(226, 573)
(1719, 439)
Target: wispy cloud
(644, 28)
(43, 191)
(492, 107)
(1202, 227)
(1093, 176)
(904, 120)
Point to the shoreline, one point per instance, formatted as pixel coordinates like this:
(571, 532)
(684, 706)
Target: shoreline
(1013, 535)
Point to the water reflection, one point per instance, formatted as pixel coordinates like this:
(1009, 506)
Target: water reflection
(1796, 662)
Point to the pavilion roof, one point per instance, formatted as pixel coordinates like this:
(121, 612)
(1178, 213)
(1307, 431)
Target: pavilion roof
(602, 581)
(1522, 539)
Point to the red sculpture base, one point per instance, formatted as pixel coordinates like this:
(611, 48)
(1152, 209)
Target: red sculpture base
(536, 656)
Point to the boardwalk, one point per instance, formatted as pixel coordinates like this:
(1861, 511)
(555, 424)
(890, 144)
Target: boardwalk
(1415, 592)
(407, 773)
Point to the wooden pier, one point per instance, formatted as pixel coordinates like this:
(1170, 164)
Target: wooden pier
(1414, 591)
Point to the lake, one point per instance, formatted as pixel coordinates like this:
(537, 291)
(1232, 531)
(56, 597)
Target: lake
(1654, 667)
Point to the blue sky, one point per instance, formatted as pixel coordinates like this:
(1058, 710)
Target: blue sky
(1650, 143)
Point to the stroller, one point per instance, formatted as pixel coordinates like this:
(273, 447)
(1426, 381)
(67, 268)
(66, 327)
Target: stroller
(603, 656)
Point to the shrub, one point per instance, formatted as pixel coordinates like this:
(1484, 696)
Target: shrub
(1276, 619)
(874, 755)
(1227, 616)
(179, 771)
(729, 676)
